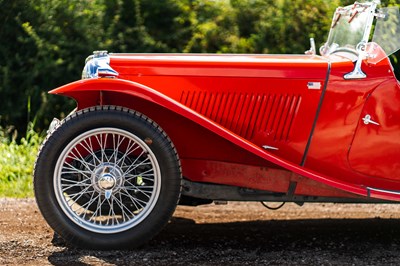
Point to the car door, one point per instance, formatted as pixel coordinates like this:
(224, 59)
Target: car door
(375, 150)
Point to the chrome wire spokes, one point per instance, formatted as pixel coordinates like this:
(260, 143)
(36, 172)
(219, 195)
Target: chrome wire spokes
(107, 180)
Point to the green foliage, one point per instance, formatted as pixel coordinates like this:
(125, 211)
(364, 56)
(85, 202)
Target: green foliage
(43, 45)
(44, 42)
(16, 163)
(285, 26)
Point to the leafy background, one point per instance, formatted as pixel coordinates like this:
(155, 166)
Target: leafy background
(43, 43)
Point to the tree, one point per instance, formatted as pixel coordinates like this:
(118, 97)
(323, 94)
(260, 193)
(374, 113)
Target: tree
(44, 46)
(44, 42)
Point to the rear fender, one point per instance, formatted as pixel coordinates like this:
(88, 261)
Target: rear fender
(106, 91)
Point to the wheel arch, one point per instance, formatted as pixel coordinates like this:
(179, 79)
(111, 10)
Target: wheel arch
(181, 124)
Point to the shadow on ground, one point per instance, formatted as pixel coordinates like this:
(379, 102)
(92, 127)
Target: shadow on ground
(292, 242)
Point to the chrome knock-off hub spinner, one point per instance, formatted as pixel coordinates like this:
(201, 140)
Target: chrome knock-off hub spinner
(106, 177)
(107, 181)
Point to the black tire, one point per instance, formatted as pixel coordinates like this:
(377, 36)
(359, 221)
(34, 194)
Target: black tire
(107, 178)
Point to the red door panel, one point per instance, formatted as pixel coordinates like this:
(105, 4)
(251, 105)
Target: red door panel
(375, 150)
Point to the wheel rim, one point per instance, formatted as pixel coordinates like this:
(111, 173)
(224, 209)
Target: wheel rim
(107, 180)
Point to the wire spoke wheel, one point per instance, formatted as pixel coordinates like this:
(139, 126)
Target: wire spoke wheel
(107, 180)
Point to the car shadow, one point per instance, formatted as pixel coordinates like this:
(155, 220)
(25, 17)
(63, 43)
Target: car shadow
(272, 242)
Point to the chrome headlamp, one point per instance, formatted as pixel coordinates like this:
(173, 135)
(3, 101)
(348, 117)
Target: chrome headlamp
(98, 66)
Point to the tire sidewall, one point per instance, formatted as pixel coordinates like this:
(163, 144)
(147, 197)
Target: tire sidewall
(134, 123)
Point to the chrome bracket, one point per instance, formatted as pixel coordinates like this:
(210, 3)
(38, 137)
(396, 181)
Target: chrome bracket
(357, 73)
(53, 125)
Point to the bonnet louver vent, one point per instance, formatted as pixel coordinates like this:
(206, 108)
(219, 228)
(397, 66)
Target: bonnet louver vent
(247, 114)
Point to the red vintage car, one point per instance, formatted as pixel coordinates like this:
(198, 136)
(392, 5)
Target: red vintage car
(151, 131)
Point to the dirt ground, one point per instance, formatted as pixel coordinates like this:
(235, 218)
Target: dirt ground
(234, 234)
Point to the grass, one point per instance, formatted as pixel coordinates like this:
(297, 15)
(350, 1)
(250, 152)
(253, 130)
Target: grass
(17, 160)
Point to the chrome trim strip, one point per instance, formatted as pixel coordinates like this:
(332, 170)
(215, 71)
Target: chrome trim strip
(394, 192)
(266, 147)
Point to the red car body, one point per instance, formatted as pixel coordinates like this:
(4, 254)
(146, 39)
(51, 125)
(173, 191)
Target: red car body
(288, 128)
(220, 110)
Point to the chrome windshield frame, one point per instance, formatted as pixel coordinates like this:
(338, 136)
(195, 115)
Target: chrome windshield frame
(351, 13)
(357, 73)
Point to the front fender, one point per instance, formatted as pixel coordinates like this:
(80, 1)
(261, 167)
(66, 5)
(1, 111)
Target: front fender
(107, 91)
(90, 92)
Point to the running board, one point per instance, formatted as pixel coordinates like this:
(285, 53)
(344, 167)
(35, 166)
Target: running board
(233, 193)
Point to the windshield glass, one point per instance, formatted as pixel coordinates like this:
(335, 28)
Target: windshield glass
(387, 32)
(349, 27)
(345, 33)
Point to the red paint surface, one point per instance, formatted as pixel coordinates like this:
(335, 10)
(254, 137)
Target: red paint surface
(219, 110)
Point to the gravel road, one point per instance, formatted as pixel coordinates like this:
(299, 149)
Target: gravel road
(234, 234)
